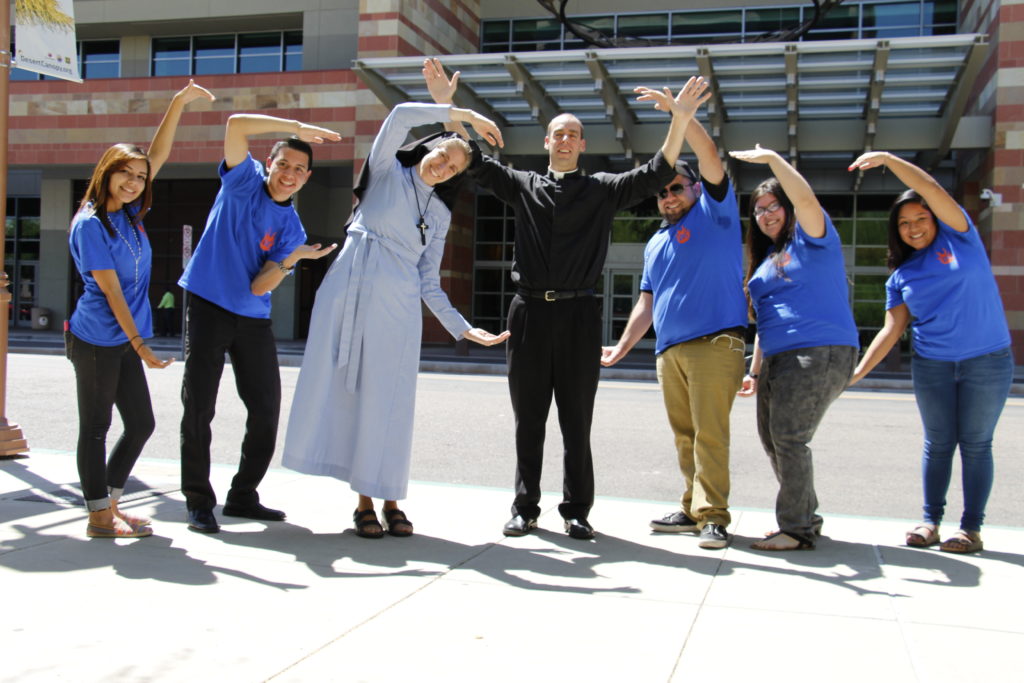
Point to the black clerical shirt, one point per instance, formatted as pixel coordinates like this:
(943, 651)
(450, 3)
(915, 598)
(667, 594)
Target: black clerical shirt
(562, 226)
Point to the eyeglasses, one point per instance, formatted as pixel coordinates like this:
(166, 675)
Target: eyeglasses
(678, 190)
(771, 208)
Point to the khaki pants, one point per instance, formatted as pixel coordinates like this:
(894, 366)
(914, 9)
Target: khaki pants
(699, 380)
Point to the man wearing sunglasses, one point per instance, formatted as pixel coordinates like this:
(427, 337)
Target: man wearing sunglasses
(692, 291)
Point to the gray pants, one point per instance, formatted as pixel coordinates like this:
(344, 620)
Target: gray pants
(795, 389)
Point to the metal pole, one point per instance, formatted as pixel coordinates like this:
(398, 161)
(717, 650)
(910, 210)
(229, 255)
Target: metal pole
(12, 441)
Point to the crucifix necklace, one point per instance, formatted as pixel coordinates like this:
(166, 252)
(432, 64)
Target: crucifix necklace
(422, 225)
(136, 256)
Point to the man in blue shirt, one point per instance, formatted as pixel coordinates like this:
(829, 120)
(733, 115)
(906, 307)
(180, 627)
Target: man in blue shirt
(252, 241)
(692, 291)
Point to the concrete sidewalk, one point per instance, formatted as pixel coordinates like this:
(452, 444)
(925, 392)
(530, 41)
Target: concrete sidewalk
(307, 600)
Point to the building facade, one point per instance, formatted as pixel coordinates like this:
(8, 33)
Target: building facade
(939, 81)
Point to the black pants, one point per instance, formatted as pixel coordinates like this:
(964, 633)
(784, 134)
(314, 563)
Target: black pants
(212, 331)
(555, 349)
(106, 376)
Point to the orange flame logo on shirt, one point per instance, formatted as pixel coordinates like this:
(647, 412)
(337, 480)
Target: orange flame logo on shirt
(945, 256)
(682, 235)
(783, 259)
(267, 243)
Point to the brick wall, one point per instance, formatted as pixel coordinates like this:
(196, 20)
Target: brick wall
(1000, 92)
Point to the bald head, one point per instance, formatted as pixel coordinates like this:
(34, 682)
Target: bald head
(564, 142)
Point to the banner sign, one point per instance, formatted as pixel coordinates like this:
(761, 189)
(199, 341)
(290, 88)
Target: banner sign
(45, 38)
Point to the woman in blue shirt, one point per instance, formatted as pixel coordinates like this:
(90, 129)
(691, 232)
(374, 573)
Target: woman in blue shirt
(806, 344)
(962, 366)
(105, 337)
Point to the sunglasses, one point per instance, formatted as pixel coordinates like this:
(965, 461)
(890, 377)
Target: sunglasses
(677, 189)
(771, 208)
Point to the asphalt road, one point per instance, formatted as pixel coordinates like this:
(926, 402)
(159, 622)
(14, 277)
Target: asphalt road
(867, 451)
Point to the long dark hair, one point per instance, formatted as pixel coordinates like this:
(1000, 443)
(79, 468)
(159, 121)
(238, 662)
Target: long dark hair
(900, 251)
(113, 160)
(758, 243)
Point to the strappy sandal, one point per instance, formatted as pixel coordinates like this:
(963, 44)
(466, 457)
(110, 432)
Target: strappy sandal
(397, 523)
(365, 521)
(122, 530)
(801, 543)
(923, 536)
(963, 542)
(137, 522)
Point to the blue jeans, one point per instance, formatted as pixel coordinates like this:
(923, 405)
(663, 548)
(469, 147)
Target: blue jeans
(960, 403)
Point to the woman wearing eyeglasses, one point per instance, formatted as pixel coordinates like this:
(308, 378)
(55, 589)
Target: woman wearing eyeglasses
(806, 344)
(962, 366)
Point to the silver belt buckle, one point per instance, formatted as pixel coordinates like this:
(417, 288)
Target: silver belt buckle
(549, 295)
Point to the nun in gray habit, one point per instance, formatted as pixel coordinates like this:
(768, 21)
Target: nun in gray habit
(352, 414)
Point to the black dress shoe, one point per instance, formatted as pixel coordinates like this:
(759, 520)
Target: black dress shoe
(202, 521)
(579, 528)
(254, 511)
(519, 526)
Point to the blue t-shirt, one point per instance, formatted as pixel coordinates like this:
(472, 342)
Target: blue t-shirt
(801, 296)
(244, 230)
(128, 254)
(694, 269)
(950, 290)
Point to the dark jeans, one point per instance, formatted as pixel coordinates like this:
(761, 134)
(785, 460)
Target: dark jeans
(212, 331)
(554, 349)
(795, 390)
(106, 376)
(960, 404)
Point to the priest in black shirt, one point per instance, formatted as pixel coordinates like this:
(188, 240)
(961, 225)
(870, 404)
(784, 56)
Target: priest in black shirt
(563, 219)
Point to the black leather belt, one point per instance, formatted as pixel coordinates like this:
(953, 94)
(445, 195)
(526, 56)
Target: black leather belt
(739, 332)
(554, 294)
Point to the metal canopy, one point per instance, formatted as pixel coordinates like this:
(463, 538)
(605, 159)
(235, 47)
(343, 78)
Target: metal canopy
(816, 98)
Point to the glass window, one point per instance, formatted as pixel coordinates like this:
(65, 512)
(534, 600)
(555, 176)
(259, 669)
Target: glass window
(172, 56)
(536, 30)
(707, 23)
(892, 14)
(940, 12)
(767, 20)
(259, 52)
(293, 50)
(100, 59)
(213, 55)
(496, 32)
(652, 26)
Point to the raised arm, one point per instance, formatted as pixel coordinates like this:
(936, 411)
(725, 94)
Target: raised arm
(805, 205)
(442, 90)
(163, 139)
(896, 320)
(241, 126)
(711, 168)
(682, 107)
(939, 201)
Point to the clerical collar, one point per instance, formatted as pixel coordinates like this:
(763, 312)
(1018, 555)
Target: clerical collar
(558, 175)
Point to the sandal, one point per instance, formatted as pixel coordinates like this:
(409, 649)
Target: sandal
(122, 530)
(136, 522)
(397, 523)
(963, 542)
(365, 521)
(923, 536)
(801, 544)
